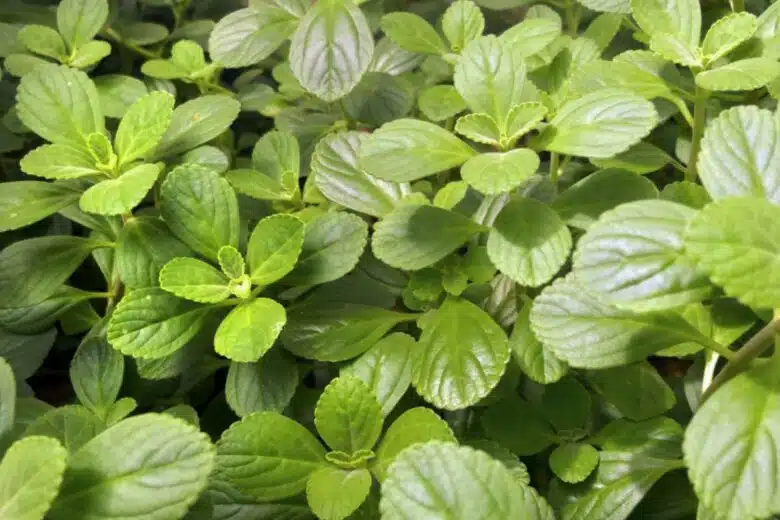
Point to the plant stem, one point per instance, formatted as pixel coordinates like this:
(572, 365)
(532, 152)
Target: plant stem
(554, 163)
(722, 350)
(572, 13)
(737, 5)
(699, 113)
(750, 351)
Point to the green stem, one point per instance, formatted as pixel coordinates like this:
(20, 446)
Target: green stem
(554, 166)
(699, 113)
(572, 13)
(737, 5)
(722, 350)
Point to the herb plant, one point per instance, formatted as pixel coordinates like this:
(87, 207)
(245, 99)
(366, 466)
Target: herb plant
(376, 259)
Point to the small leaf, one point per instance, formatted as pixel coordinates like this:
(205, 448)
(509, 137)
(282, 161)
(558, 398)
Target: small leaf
(727, 34)
(480, 128)
(231, 262)
(347, 416)
(440, 102)
(196, 122)
(747, 74)
(250, 329)
(408, 149)
(120, 195)
(89, 54)
(534, 359)
(26, 202)
(59, 161)
(80, 20)
(523, 118)
(461, 23)
(274, 247)
(494, 173)
(674, 48)
(96, 373)
(143, 126)
(144, 246)
(529, 242)
(265, 386)
(637, 391)
(194, 280)
(413, 33)
(248, 36)
(573, 462)
(268, 456)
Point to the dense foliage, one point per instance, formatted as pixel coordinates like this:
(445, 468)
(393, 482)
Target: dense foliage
(386, 260)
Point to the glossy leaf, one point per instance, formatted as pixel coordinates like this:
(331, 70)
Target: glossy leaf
(249, 330)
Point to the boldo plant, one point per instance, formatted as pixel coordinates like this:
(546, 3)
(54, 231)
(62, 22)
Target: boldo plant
(379, 259)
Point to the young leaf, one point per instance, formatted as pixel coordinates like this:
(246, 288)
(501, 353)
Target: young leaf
(201, 209)
(534, 359)
(674, 48)
(265, 386)
(96, 373)
(415, 236)
(143, 126)
(347, 416)
(747, 74)
(59, 161)
(408, 149)
(152, 323)
(30, 477)
(26, 202)
(80, 20)
(736, 241)
(480, 128)
(274, 247)
(728, 33)
(494, 173)
(105, 475)
(461, 23)
(523, 118)
(196, 122)
(120, 195)
(89, 54)
(250, 330)
(637, 391)
(144, 246)
(529, 242)
(231, 262)
(573, 462)
(268, 456)
(248, 36)
(413, 33)
(334, 494)
(462, 355)
(194, 280)
(331, 49)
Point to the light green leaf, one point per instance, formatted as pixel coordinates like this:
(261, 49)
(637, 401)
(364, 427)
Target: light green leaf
(337, 331)
(194, 280)
(110, 476)
(685, 192)
(143, 126)
(89, 54)
(579, 328)
(415, 236)
(144, 246)
(42, 40)
(337, 176)
(96, 373)
(249, 330)
(727, 34)
(196, 122)
(641, 158)
(72, 425)
(334, 494)
(386, 368)
(679, 17)
(347, 416)
(332, 246)
(599, 74)
(80, 20)
(59, 104)
(30, 477)
(144, 33)
(265, 386)
(608, 6)
(451, 194)
(274, 247)
(409, 149)
(413, 33)
(25, 202)
(59, 161)
(634, 255)
(248, 36)
(747, 74)
(258, 185)
(573, 462)
(331, 49)
(531, 36)
(462, 355)
(32, 270)
(421, 481)
(152, 323)
(200, 208)
(480, 128)
(276, 154)
(601, 124)
(637, 390)
(534, 359)
(674, 48)
(268, 456)
(120, 195)
(494, 173)
(737, 242)
(461, 23)
(440, 102)
(586, 200)
(231, 262)
(741, 448)
(529, 242)
(7, 398)
(522, 119)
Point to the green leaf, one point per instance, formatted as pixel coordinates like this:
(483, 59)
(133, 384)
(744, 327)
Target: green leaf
(440, 102)
(379, 98)
(96, 373)
(586, 200)
(331, 49)
(72, 425)
(494, 173)
(678, 17)
(268, 456)
(106, 475)
(637, 391)
(250, 330)
(601, 124)
(623, 74)
(277, 153)
(196, 122)
(727, 34)
(641, 158)
(30, 477)
(462, 355)
(59, 161)
(737, 242)
(608, 6)
(408, 149)
(32, 270)
(674, 48)
(635, 256)
(534, 359)
(531, 36)
(42, 40)
(573, 462)
(89, 54)
(144, 33)
(386, 368)
(523, 118)
(143, 126)
(739, 156)
(59, 104)
(120, 195)
(416, 425)
(413, 33)
(231, 262)
(7, 398)
(26, 202)
(415, 236)
(200, 208)
(347, 416)
(248, 36)
(461, 23)
(265, 386)
(579, 328)
(118, 93)
(274, 247)
(686, 192)
(332, 246)
(337, 331)
(747, 74)
(334, 494)
(194, 280)
(152, 323)
(480, 128)
(421, 481)
(144, 246)
(25, 352)
(529, 242)
(80, 20)
(740, 448)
